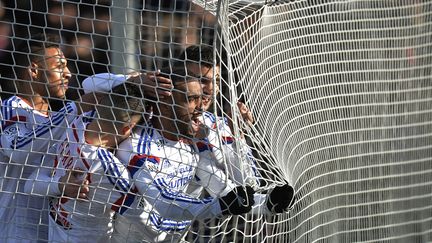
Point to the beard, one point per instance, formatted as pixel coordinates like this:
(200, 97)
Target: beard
(192, 126)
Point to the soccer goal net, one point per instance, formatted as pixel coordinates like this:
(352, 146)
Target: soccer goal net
(146, 121)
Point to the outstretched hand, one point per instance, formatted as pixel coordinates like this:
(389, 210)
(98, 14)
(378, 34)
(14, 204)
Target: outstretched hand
(154, 85)
(280, 199)
(74, 184)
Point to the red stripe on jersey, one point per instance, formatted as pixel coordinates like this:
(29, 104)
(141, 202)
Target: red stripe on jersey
(13, 120)
(75, 133)
(86, 164)
(202, 146)
(228, 140)
(137, 157)
(120, 202)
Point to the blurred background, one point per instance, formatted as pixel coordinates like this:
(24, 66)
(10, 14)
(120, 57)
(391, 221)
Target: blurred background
(154, 31)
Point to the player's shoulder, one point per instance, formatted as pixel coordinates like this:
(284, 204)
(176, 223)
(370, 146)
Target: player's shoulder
(209, 118)
(132, 144)
(15, 103)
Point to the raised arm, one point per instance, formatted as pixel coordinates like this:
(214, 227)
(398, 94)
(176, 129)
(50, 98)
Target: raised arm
(153, 84)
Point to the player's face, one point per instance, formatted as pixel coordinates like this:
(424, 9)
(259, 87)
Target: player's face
(54, 73)
(208, 87)
(187, 107)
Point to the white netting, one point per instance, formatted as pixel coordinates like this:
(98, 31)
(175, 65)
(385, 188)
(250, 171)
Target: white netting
(340, 94)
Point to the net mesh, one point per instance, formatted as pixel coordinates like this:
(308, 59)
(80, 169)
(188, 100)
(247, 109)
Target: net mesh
(339, 92)
(341, 95)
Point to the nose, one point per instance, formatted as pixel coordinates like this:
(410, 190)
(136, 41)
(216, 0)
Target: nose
(67, 73)
(199, 105)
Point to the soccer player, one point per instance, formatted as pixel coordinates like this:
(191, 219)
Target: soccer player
(240, 165)
(163, 160)
(28, 129)
(87, 148)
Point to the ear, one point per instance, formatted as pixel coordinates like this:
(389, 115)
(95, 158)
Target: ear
(33, 70)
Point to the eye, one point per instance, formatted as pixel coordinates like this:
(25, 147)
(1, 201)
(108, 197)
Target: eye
(194, 98)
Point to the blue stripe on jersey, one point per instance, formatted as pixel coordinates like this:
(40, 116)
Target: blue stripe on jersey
(7, 109)
(110, 167)
(209, 116)
(89, 116)
(44, 128)
(168, 225)
(254, 165)
(163, 187)
(130, 198)
(141, 137)
(145, 140)
(151, 130)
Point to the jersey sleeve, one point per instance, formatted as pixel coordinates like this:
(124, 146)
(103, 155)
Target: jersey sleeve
(211, 177)
(103, 82)
(156, 187)
(240, 164)
(22, 139)
(111, 181)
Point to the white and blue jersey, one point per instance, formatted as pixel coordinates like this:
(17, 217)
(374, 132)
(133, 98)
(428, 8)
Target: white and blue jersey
(77, 220)
(161, 170)
(232, 156)
(26, 135)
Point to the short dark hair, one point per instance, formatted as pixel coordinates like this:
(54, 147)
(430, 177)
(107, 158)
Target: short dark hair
(29, 50)
(198, 54)
(195, 54)
(123, 102)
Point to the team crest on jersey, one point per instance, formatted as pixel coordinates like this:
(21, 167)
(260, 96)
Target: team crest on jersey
(152, 165)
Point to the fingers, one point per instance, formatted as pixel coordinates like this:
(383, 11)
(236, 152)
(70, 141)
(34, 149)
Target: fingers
(75, 184)
(245, 113)
(156, 85)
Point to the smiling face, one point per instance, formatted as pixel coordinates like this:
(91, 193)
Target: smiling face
(180, 112)
(53, 72)
(188, 106)
(206, 74)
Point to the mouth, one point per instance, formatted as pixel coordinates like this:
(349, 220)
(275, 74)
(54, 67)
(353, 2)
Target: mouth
(196, 124)
(198, 129)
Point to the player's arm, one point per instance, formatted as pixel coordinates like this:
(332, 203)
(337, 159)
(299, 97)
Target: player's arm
(52, 179)
(153, 84)
(155, 187)
(240, 163)
(115, 182)
(215, 181)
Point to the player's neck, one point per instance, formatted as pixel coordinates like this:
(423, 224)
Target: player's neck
(37, 102)
(99, 140)
(95, 136)
(165, 128)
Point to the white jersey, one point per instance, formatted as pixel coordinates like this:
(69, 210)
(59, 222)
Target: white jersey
(161, 170)
(26, 136)
(79, 220)
(239, 165)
